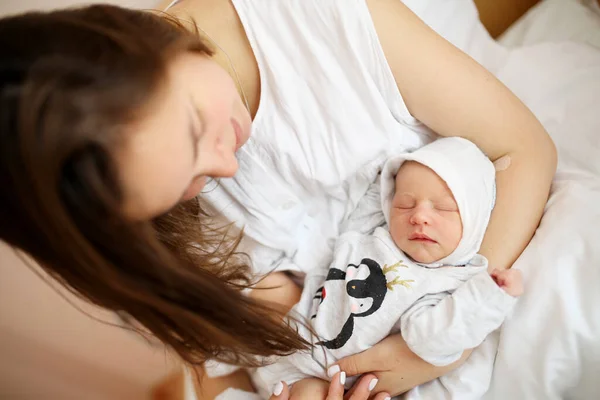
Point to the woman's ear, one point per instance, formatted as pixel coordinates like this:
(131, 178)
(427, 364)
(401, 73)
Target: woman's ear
(502, 163)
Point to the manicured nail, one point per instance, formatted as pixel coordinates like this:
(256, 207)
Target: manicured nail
(343, 377)
(278, 388)
(373, 384)
(388, 398)
(331, 371)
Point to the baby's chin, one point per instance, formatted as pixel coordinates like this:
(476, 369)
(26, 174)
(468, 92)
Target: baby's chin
(423, 256)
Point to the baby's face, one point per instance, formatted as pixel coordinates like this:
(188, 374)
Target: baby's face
(424, 218)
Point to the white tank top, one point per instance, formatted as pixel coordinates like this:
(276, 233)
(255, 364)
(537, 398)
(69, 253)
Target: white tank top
(330, 113)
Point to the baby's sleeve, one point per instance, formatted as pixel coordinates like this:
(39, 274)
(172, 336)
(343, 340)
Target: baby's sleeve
(440, 327)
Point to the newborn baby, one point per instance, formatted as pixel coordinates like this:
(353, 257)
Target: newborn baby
(419, 275)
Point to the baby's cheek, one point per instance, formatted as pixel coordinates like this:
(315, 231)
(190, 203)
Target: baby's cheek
(398, 233)
(452, 231)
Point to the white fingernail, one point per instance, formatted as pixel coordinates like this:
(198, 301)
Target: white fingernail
(373, 384)
(388, 398)
(331, 371)
(278, 388)
(343, 378)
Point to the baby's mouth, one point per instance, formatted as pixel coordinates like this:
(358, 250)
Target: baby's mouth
(421, 237)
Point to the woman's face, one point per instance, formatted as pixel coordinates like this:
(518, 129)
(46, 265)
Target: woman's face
(194, 128)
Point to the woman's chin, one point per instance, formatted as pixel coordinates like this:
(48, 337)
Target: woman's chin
(194, 189)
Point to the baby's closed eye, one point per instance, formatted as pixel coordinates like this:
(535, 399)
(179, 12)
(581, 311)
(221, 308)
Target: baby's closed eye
(404, 202)
(449, 206)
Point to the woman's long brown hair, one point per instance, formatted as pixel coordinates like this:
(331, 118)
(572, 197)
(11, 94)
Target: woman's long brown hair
(70, 82)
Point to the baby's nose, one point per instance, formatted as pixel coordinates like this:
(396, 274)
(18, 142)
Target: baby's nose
(421, 216)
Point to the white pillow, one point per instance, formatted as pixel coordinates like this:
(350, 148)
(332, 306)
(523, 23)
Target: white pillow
(557, 20)
(560, 83)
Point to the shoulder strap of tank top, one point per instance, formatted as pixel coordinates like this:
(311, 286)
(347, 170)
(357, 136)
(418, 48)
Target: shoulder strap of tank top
(171, 4)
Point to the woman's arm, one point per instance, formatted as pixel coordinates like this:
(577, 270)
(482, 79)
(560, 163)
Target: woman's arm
(453, 95)
(396, 367)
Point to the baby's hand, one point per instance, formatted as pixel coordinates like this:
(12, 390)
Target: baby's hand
(510, 280)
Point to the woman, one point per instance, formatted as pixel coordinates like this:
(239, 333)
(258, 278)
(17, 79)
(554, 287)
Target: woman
(112, 121)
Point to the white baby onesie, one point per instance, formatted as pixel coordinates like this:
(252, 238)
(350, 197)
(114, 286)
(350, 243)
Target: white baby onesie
(372, 289)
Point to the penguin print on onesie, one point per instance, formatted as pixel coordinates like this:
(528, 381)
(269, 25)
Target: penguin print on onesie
(366, 288)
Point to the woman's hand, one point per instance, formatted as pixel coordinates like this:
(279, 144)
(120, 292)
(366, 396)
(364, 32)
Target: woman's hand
(396, 367)
(315, 389)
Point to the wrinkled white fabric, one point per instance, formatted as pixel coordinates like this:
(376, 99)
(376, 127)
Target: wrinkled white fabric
(310, 158)
(371, 290)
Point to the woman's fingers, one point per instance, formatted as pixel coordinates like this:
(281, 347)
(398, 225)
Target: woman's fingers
(336, 388)
(382, 396)
(363, 388)
(280, 392)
